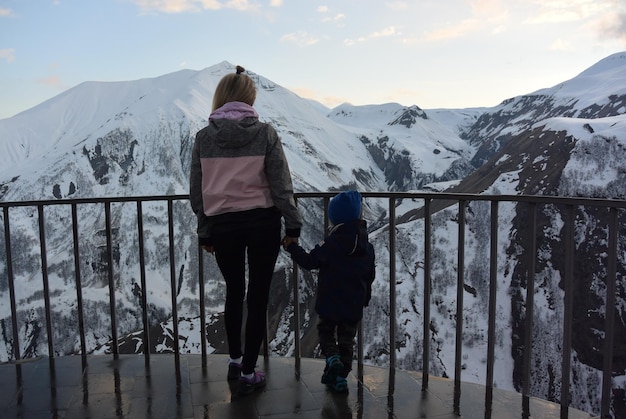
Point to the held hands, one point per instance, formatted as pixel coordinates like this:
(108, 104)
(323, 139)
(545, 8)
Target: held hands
(288, 240)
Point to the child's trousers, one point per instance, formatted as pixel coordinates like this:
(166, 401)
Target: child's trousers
(337, 338)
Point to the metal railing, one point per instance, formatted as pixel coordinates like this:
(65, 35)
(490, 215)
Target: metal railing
(431, 203)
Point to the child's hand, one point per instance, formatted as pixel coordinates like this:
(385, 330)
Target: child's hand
(288, 240)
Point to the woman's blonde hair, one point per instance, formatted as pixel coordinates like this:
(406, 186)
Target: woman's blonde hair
(234, 87)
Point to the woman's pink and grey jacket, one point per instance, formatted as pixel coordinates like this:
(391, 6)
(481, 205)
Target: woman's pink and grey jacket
(238, 164)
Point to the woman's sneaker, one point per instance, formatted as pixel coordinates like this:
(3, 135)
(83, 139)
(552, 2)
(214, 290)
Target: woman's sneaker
(248, 385)
(333, 368)
(234, 370)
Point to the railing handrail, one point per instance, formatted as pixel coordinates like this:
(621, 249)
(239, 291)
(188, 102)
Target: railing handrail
(440, 196)
(461, 199)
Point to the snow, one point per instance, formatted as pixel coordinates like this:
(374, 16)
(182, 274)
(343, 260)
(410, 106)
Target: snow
(590, 86)
(326, 149)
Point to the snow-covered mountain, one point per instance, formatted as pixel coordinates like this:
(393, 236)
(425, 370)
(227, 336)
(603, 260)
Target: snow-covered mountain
(134, 138)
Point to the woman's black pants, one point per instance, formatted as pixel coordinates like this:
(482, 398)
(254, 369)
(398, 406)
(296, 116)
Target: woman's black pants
(261, 244)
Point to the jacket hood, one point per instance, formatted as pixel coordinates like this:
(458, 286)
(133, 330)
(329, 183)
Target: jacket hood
(351, 237)
(234, 125)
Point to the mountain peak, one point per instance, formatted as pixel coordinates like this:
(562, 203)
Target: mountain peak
(615, 63)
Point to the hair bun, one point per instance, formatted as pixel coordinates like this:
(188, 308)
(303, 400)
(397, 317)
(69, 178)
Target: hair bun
(240, 69)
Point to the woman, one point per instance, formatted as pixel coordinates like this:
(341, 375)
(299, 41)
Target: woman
(240, 187)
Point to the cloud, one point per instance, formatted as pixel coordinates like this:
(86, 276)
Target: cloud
(276, 3)
(561, 45)
(7, 54)
(605, 18)
(611, 27)
(304, 92)
(338, 18)
(332, 101)
(397, 5)
(387, 32)
(390, 31)
(491, 15)
(300, 38)
(308, 93)
(557, 11)
(52, 81)
(183, 6)
(5, 12)
(402, 95)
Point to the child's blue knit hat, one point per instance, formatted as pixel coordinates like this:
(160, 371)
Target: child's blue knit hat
(345, 207)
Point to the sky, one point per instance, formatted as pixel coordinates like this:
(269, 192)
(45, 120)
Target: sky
(449, 54)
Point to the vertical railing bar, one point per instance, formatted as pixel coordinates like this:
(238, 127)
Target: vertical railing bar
(392, 291)
(359, 342)
(360, 354)
(144, 291)
(112, 308)
(427, 294)
(11, 280)
(392, 305)
(170, 225)
(203, 336)
(296, 317)
(79, 287)
(459, 309)
(44, 275)
(493, 288)
(326, 219)
(529, 308)
(295, 276)
(609, 321)
(568, 304)
(265, 341)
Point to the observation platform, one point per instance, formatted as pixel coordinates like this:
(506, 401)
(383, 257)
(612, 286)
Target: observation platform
(167, 387)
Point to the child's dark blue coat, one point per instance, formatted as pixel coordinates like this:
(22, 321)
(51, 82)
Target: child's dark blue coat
(346, 271)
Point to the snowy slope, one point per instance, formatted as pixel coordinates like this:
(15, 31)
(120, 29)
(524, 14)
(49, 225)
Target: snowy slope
(597, 92)
(590, 87)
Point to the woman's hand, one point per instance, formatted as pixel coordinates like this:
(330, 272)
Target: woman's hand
(288, 240)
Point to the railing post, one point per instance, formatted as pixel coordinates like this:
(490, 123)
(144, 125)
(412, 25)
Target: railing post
(609, 328)
(11, 280)
(44, 275)
(296, 313)
(427, 294)
(79, 287)
(360, 352)
(493, 288)
(529, 307)
(107, 216)
(144, 293)
(174, 290)
(392, 292)
(568, 305)
(459, 309)
(202, 291)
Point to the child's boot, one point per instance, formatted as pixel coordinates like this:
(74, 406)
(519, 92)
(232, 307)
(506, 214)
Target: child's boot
(340, 385)
(333, 368)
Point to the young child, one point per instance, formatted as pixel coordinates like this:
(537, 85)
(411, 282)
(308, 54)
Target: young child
(345, 260)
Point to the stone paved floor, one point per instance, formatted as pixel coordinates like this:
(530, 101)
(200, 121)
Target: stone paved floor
(127, 388)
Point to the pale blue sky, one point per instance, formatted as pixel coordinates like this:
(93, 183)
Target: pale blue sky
(430, 53)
